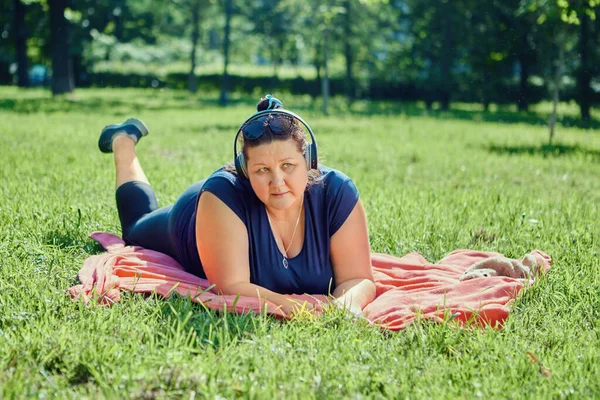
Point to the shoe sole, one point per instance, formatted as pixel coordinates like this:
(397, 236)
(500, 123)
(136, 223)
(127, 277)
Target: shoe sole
(140, 126)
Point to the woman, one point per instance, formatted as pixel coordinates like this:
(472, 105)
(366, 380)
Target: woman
(270, 224)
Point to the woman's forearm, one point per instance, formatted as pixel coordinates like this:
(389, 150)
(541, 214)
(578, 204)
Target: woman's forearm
(251, 290)
(355, 294)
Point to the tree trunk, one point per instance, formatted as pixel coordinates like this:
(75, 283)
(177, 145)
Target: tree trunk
(225, 79)
(273, 51)
(486, 85)
(486, 94)
(584, 76)
(325, 77)
(317, 62)
(62, 66)
(523, 97)
(118, 19)
(276, 56)
(350, 86)
(556, 78)
(446, 65)
(192, 80)
(21, 44)
(552, 123)
(555, 99)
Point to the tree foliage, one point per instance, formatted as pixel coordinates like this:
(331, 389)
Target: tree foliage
(438, 51)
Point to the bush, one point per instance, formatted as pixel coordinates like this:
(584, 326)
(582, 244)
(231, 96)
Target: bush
(499, 93)
(108, 79)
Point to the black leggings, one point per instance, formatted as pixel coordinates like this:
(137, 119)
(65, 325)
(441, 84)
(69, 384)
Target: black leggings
(144, 224)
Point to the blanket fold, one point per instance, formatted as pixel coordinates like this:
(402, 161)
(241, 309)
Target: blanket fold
(408, 288)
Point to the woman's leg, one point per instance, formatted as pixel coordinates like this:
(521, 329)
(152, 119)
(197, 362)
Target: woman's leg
(142, 222)
(127, 165)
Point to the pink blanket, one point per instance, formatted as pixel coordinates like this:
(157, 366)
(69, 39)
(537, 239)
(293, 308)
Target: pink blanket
(408, 288)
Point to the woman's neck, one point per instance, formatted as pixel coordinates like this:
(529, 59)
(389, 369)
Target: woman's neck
(288, 215)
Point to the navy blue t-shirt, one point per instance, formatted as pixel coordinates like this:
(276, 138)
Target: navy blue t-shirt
(328, 204)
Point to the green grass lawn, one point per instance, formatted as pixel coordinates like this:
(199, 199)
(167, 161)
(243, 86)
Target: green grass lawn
(430, 183)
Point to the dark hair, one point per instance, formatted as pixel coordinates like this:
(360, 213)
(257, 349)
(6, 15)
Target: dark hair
(297, 134)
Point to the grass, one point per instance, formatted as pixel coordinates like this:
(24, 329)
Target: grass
(431, 182)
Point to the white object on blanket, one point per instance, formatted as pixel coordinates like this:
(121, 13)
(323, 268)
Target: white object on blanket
(502, 266)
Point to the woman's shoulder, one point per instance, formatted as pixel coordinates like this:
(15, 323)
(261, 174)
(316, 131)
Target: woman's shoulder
(226, 178)
(332, 177)
(337, 196)
(333, 185)
(230, 189)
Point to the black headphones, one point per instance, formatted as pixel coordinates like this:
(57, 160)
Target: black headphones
(310, 154)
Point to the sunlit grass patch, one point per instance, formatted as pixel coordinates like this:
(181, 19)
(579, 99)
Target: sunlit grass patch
(430, 182)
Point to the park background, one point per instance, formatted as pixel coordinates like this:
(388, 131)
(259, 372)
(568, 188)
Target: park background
(496, 52)
(464, 124)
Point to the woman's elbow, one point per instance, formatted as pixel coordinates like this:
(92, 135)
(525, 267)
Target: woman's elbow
(229, 289)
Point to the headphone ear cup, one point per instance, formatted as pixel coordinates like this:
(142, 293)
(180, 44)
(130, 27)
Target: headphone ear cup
(308, 157)
(311, 156)
(240, 165)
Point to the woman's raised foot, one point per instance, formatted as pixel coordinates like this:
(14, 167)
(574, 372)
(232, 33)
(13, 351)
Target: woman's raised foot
(133, 128)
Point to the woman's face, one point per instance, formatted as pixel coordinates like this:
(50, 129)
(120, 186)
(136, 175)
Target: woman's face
(277, 173)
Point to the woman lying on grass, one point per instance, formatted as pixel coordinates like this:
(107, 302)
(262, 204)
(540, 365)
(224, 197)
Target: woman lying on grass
(271, 223)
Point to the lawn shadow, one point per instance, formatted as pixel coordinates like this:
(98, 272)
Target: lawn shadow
(546, 150)
(502, 115)
(99, 104)
(50, 105)
(129, 103)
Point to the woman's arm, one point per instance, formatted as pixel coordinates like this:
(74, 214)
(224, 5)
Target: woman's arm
(287, 305)
(222, 242)
(351, 258)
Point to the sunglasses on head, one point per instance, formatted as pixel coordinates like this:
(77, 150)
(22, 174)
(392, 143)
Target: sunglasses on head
(277, 124)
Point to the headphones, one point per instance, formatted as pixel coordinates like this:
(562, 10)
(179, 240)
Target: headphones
(275, 107)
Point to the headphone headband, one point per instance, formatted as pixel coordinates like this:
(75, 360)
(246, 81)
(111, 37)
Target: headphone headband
(311, 148)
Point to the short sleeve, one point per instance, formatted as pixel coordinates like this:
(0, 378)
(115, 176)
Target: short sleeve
(229, 190)
(341, 197)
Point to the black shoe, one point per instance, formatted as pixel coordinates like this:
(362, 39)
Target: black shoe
(133, 127)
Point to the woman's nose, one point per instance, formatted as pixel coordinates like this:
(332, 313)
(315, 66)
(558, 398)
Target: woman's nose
(277, 179)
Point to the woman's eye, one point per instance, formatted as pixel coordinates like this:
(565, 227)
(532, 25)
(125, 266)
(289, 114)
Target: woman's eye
(263, 169)
(287, 165)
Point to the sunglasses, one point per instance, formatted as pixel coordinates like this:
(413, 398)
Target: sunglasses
(277, 124)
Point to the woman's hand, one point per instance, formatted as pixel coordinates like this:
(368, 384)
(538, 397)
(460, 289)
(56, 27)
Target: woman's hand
(355, 294)
(353, 309)
(291, 306)
(353, 312)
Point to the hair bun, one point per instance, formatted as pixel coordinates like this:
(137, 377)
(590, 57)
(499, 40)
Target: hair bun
(269, 103)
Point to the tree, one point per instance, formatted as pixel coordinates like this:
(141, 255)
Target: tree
(195, 11)
(322, 29)
(435, 27)
(551, 42)
(21, 44)
(562, 15)
(361, 21)
(192, 8)
(276, 23)
(487, 57)
(62, 65)
(584, 11)
(518, 35)
(314, 17)
(228, 8)
(350, 86)
(324, 17)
